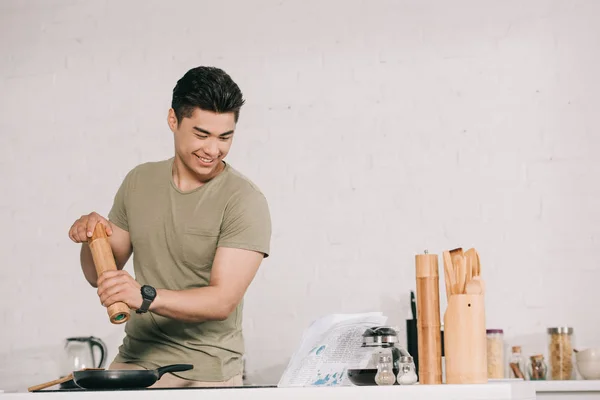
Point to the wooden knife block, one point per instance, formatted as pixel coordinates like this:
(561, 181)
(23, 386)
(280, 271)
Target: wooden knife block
(465, 346)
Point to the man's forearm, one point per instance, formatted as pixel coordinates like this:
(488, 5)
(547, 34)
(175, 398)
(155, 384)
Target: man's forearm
(192, 305)
(87, 264)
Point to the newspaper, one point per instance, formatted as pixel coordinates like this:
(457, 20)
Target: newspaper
(328, 347)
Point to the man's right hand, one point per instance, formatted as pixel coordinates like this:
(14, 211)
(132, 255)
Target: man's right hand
(82, 229)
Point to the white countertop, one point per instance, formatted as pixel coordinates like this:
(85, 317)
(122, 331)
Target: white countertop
(492, 391)
(567, 386)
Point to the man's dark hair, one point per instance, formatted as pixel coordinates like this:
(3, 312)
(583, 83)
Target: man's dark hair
(208, 88)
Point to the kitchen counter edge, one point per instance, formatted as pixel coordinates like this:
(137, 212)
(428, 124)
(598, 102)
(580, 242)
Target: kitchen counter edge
(567, 386)
(522, 390)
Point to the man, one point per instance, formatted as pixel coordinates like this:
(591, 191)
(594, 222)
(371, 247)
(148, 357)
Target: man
(198, 231)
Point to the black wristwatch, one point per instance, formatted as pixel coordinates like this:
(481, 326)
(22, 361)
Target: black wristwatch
(148, 295)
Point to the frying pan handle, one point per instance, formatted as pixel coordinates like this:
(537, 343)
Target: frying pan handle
(173, 368)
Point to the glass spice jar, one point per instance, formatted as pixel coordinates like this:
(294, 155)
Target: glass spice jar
(537, 368)
(495, 353)
(560, 353)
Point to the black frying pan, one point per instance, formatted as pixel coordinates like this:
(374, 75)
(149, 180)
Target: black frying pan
(123, 378)
(114, 378)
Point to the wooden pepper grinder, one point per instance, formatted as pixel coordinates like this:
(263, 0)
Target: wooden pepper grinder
(428, 319)
(104, 260)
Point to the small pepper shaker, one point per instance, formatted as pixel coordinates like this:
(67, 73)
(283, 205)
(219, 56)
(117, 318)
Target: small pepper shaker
(385, 374)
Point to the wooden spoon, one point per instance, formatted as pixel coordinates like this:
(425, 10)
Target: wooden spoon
(460, 268)
(470, 261)
(449, 275)
(51, 383)
(473, 255)
(455, 255)
(57, 381)
(475, 286)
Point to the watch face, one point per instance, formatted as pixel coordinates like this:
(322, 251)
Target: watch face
(148, 291)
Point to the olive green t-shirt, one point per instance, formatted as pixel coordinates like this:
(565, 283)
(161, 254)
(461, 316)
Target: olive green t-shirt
(175, 235)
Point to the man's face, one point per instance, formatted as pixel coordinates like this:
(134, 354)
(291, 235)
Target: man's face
(203, 140)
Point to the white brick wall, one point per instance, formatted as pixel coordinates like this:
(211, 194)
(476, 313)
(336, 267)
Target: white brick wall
(376, 129)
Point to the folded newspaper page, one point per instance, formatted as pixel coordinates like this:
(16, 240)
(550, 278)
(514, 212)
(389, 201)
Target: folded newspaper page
(328, 346)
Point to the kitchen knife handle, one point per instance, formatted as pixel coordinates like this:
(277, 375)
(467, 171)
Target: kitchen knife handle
(104, 260)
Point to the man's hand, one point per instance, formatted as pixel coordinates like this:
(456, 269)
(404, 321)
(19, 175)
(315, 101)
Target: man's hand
(82, 229)
(119, 239)
(115, 286)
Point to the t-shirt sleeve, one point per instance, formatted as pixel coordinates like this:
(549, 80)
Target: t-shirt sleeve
(118, 212)
(247, 223)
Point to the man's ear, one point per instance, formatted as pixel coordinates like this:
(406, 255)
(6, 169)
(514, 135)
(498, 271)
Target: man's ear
(172, 120)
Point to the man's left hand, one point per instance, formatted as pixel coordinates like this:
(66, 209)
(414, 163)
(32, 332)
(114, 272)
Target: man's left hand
(119, 286)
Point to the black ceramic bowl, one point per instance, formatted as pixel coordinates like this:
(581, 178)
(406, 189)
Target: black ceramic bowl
(364, 377)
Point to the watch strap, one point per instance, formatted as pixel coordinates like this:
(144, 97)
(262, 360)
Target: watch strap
(144, 307)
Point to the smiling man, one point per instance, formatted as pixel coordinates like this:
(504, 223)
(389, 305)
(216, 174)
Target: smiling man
(198, 231)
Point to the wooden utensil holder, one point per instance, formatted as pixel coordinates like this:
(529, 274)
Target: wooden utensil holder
(465, 346)
(104, 261)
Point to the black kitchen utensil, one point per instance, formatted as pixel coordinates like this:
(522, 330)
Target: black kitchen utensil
(114, 378)
(412, 339)
(413, 305)
(124, 378)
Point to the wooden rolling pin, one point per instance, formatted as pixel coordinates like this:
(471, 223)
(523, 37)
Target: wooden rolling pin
(104, 260)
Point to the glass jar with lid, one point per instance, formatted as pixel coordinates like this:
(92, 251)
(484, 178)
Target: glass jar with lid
(560, 353)
(516, 364)
(495, 353)
(537, 368)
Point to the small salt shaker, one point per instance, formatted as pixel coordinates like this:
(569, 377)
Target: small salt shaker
(407, 374)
